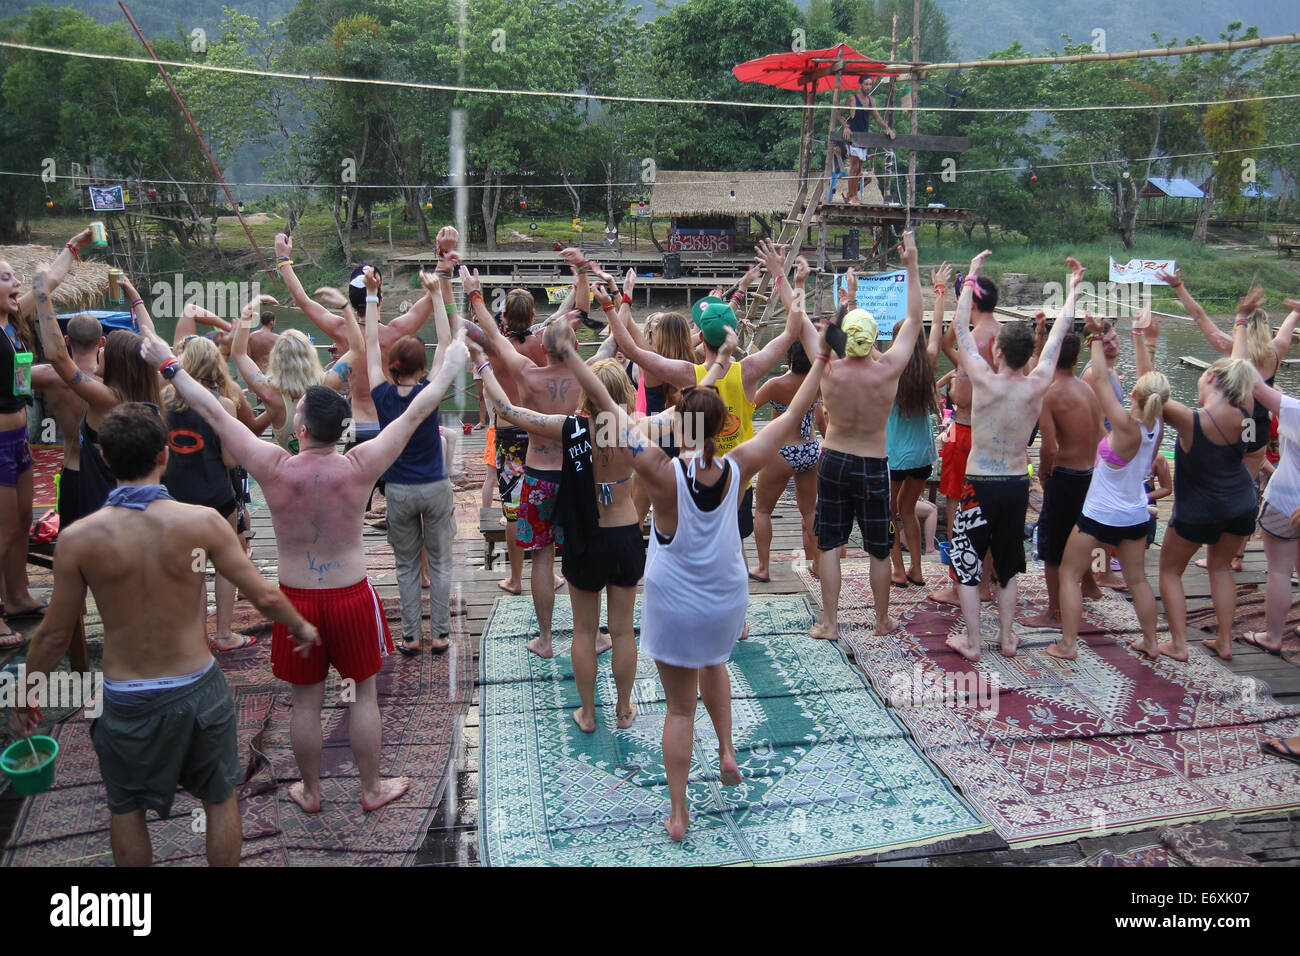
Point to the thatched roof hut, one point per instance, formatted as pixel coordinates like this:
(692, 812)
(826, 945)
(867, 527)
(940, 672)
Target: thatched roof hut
(85, 286)
(687, 192)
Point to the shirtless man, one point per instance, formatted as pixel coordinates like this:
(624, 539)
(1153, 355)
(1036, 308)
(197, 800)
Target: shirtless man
(317, 500)
(168, 718)
(853, 475)
(956, 451)
(1070, 425)
(85, 337)
(549, 388)
(1004, 406)
(262, 341)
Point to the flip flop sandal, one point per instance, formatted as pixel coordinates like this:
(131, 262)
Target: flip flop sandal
(914, 581)
(1250, 639)
(897, 584)
(1280, 749)
(443, 649)
(755, 577)
(248, 641)
(407, 650)
(31, 612)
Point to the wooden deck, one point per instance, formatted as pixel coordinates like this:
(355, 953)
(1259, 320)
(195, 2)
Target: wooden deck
(453, 838)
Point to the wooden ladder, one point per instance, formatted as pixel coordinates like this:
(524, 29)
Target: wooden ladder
(791, 234)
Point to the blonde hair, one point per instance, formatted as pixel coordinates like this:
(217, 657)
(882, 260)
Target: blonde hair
(614, 377)
(294, 366)
(1259, 339)
(1235, 378)
(201, 358)
(1152, 392)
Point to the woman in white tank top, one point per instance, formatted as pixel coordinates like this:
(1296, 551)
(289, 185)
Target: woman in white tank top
(1115, 509)
(696, 585)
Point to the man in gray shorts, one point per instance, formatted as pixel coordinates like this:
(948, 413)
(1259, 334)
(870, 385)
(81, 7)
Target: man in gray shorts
(168, 719)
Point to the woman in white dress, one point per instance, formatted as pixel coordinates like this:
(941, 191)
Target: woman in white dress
(696, 583)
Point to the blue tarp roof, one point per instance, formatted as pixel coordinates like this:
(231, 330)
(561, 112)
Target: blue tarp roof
(1178, 188)
(1253, 190)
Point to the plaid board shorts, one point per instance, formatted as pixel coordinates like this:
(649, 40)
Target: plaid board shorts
(850, 487)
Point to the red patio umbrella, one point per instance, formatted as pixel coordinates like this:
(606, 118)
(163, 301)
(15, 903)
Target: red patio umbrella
(811, 70)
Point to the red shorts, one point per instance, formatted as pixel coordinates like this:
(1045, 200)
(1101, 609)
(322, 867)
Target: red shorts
(353, 632)
(956, 450)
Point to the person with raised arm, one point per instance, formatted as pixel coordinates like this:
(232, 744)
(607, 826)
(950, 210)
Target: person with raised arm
(696, 587)
(956, 450)
(16, 485)
(1071, 426)
(1214, 495)
(1266, 352)
(739, 388)
(1114, 512)
(1005, 404)
(316, 499)
(1279, 516)
(421, 513)
(909, 437)
(550, 389)
(168, 719)
(853, 474)
(603, 546)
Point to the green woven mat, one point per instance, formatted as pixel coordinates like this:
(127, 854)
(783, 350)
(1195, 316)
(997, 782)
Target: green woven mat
(828, 771)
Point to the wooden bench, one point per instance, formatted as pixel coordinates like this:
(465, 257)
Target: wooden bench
(1287, 241)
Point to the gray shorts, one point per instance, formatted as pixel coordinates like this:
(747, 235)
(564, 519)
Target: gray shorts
(182, 738)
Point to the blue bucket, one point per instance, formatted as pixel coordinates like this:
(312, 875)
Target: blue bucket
(944, 548)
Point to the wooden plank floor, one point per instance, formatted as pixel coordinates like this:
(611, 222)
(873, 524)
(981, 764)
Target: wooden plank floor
(453, 838)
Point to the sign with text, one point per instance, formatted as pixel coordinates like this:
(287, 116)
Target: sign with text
(884, 296)
(1141, 270)
(701, 240)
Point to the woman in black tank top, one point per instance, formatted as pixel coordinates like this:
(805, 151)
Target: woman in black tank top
(1214, 498)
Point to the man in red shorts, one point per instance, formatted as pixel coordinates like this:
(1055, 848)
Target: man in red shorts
(317, 500)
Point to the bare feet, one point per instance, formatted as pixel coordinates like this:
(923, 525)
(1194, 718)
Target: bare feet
(559, 582)
(541, 647)
(1220, 647)
(1059, 652)
(389, 790)
(1009, 645)
(962, 646)
(1150, 651)
(298, 794)
(744, 634)
(676, 826)
(825, 632)
(509, 586)
(1049, 618)
(603, 643)
(728, 770)
(1169, 650)
(1092, 592)
(946, 595)
(885, 626)
(587, 726)
(625, 719)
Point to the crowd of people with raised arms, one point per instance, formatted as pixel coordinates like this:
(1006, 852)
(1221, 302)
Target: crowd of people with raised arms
(160, 439)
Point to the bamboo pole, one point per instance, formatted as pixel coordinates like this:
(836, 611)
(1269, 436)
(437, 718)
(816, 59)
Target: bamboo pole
(1219, 47)
(916, 95)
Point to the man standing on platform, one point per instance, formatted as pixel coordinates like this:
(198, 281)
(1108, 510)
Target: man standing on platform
(861, 108)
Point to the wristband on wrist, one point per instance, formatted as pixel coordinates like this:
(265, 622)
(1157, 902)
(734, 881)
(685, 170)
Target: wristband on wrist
(137, 302)
(940, 289)
(1241, 320)
(476, 294)
(283, 261)
(1175, 285)
(627, 299)
(372, 298)
(76, 253)
(169, 368)
(608, 306)
(1094, 337)
(478, 369)
(825, 357)
(450, 307)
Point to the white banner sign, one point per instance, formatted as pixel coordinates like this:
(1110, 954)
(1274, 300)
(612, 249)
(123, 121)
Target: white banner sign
(1141, 270)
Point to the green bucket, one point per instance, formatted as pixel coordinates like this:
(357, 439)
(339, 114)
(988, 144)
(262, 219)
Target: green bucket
(37, 779)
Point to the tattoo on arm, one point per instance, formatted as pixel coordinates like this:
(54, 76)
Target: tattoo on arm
(343, 370)
(76, 378)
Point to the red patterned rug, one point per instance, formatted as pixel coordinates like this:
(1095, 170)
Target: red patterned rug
(1049, 750)
(47, 461)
